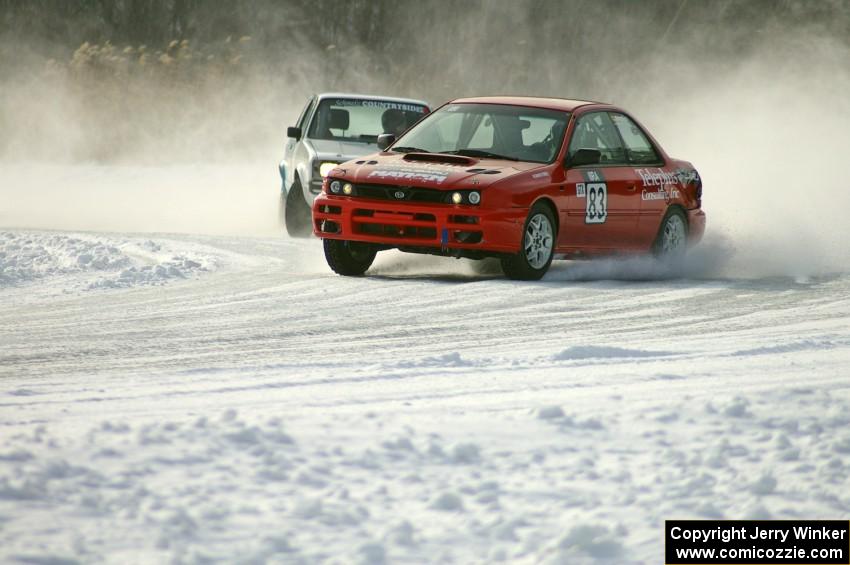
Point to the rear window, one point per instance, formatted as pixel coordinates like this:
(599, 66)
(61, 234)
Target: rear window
(351, 119)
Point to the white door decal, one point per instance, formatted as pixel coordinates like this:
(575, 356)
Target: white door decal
(596, 205)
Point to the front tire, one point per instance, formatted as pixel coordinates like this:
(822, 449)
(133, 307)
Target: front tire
(349, 258)
(281, 209)
(538, 246)
(297, 214)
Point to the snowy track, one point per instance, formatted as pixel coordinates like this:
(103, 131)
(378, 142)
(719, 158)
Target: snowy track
(257, 408)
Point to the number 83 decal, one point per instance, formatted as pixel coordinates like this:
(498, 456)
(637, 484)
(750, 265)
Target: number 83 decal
(596, 203)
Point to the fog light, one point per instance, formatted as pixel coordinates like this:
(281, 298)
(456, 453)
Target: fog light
(347, 188)
(336, 186)
(457, 198)
(326, 168)
(474, 198)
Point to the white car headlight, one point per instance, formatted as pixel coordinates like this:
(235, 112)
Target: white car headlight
(474, 197)
(326, 168)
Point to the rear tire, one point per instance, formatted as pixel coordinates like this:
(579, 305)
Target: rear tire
(349, 258)
(538, 246)
(297, 214)
(671, 243)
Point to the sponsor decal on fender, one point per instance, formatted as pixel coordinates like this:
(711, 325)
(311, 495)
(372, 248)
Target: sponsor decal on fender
(657, 177)
(659, 194)
(686, 176)
(663, 181)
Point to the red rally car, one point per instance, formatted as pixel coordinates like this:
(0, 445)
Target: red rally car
(519, 178)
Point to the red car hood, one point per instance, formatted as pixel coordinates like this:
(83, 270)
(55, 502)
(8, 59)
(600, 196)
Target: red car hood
(430, 170)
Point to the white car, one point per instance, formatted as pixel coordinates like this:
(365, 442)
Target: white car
(334, 128)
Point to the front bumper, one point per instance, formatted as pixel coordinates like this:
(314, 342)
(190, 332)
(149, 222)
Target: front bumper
(411, 225)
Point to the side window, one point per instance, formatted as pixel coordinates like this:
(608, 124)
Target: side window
(597, 131)
(638, 148)
(305, 113)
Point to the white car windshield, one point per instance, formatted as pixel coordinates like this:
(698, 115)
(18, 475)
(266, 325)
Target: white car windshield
(351, 119)
(518, 133)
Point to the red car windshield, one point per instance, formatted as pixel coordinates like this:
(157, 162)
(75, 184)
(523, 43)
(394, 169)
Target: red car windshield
(517, 133)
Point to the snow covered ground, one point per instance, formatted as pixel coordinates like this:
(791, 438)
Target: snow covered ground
(222, 398)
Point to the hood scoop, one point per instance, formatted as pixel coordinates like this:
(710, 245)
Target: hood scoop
(439, 158)
(483, 171)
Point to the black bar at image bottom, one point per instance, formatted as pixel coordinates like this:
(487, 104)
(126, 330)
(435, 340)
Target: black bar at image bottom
(757, 542)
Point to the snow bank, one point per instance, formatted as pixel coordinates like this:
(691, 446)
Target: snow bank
(94, 262)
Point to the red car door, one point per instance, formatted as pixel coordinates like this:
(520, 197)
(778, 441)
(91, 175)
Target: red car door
(657, 184)
(603, 198)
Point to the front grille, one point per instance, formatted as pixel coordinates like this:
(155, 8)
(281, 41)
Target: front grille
(394, 223)
(411, 193)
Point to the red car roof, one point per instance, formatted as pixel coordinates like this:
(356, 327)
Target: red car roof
(562, 104)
